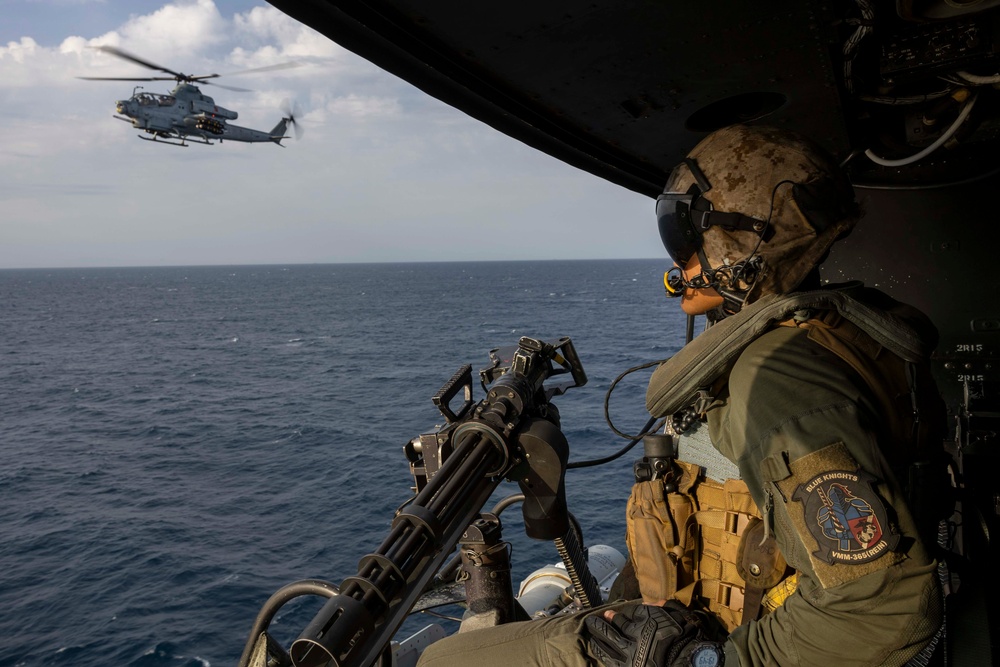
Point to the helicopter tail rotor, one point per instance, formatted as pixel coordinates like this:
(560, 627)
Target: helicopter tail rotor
(278, 133)
(289, 114)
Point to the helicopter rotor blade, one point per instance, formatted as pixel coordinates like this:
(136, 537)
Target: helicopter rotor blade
(125, 55)
(118, 78)
(178, 76)
(203, 79)
(233, 88)
(267, 68)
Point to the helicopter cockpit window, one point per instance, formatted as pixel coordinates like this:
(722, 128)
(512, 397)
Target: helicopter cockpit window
(145, 99)
(167, 101)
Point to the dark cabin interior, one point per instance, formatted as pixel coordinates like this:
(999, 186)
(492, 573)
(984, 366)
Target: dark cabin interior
(623, 89)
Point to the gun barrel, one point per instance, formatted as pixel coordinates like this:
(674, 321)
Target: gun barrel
(472, 454)
(353, 627)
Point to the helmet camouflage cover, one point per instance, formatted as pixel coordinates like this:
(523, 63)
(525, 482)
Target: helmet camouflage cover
(751, 170)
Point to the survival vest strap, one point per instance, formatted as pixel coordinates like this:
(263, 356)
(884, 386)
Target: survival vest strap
(886, 342)
(910, 410)
(901, 329)
(706, 522)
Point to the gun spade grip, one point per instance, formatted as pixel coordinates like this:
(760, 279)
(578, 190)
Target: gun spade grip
(542, 478)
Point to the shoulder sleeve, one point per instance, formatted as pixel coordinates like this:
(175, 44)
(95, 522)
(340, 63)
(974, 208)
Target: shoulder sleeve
(803, 432)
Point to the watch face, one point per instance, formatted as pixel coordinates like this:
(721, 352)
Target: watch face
(707, 655)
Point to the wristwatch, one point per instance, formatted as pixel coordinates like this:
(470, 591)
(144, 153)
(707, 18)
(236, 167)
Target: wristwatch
(707, 654)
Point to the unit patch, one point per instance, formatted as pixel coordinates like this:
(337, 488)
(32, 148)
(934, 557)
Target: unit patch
(846, 516)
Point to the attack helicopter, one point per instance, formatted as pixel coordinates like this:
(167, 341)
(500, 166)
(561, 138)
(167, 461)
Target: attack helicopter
(186, 114)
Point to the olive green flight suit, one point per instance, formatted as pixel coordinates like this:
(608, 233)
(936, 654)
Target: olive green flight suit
(805, 433)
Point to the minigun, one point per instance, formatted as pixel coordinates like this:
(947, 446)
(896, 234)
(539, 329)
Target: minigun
(513, 433)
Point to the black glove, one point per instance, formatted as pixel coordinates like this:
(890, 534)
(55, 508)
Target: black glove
(642, 635)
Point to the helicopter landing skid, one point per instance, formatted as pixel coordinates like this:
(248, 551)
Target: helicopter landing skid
(182, 143)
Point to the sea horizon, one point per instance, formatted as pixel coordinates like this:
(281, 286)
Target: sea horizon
(180, 442)
(357, 263)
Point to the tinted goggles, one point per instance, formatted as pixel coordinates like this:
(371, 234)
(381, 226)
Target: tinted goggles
(683, 217)
(677, 229)
(674, 214)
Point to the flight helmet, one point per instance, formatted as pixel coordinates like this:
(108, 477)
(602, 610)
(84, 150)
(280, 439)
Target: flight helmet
(752, 211)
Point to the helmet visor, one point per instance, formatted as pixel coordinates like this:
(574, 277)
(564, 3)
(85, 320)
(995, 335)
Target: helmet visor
(677, 232)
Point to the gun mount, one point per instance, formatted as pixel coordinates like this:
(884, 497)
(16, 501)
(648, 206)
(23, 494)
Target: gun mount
(512, 433)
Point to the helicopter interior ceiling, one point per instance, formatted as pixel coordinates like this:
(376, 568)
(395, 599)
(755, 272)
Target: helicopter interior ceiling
(623, 89)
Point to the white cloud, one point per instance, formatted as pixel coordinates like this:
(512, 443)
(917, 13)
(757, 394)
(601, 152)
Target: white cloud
(20, 50)
(359, 106)
(76, 45)
(268, 26)
(382, 173)
(189, 28)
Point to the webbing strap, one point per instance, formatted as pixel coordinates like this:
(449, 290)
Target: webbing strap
(699, 363)
(725, 600)
(733, 495)
(712, 546)
(752, 598)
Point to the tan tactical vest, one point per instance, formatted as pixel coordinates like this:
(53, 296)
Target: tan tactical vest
(706, 541)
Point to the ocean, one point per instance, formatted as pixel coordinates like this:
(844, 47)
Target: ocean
(178, 443)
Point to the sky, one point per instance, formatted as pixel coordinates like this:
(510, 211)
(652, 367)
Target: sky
(382, 173)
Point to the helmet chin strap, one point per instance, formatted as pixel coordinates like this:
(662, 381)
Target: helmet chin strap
(746, 272)
(731, 284)
(732, 303)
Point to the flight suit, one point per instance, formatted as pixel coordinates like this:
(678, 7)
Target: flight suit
(804, 429)
(810, 442)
